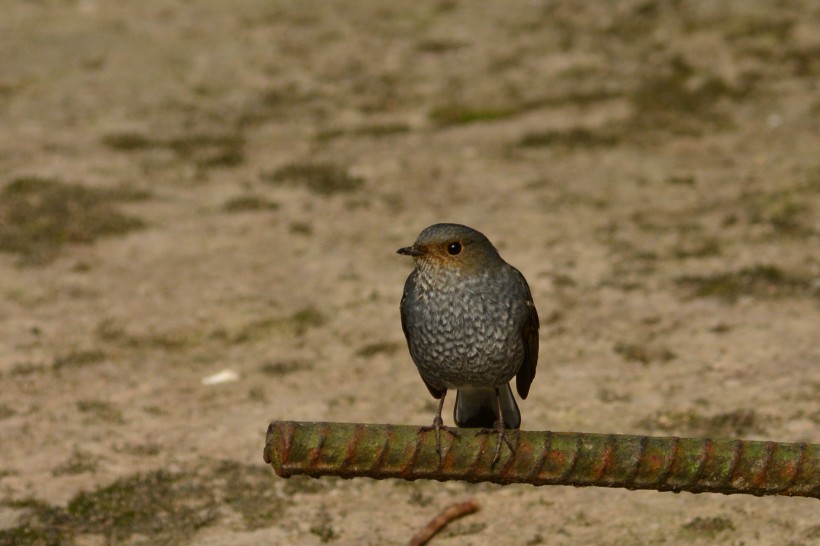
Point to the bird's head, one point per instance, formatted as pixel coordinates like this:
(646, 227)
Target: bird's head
(453, 246)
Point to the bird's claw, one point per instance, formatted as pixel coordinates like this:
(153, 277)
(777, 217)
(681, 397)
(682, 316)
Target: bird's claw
(438, 426)
(502, 436)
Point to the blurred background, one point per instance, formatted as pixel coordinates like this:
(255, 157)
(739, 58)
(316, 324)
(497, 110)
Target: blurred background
(200, 204)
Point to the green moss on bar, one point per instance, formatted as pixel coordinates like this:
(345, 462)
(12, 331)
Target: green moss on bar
(696, 465)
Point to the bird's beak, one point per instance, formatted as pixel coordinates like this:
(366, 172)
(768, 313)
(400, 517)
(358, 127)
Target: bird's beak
(411, 251)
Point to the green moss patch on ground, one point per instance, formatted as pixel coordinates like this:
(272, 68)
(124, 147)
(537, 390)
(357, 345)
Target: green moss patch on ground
(40, 215)
(323, 178)
(160, 507)
(757, 281)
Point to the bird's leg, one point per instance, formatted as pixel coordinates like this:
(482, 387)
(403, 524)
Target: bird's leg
(499, 427)
(438, 424)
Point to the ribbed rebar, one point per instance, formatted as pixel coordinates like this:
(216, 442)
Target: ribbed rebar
(696, 465)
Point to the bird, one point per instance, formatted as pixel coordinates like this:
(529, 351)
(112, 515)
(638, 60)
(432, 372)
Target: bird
(471, 326)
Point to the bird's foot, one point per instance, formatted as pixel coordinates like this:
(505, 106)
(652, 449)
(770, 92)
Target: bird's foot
(499, 429)
(438, 426)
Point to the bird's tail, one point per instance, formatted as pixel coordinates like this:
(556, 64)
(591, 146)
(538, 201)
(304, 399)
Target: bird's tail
(477, 408)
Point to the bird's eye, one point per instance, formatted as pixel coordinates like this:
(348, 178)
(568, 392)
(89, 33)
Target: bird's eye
(454, 248)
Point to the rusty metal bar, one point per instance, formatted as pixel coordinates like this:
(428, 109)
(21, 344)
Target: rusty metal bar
(696, 465)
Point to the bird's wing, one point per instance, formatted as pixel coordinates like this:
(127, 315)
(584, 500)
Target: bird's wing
(408, 286)
(529, 333)
(437, 393)
(402, 307)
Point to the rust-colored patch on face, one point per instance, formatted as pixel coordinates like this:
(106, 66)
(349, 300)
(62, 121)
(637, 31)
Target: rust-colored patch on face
(436, 252)
(437, 257)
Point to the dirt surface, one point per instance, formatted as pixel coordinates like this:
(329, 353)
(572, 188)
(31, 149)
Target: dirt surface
(192, 187)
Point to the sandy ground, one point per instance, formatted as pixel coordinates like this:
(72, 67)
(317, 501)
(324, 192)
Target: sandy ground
(188, 187)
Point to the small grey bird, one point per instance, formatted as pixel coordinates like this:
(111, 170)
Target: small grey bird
(470, 325)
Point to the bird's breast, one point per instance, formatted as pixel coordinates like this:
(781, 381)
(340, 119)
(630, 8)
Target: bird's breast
(464, 332)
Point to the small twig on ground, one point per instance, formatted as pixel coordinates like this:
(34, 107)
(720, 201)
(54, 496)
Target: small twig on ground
(437, 523)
